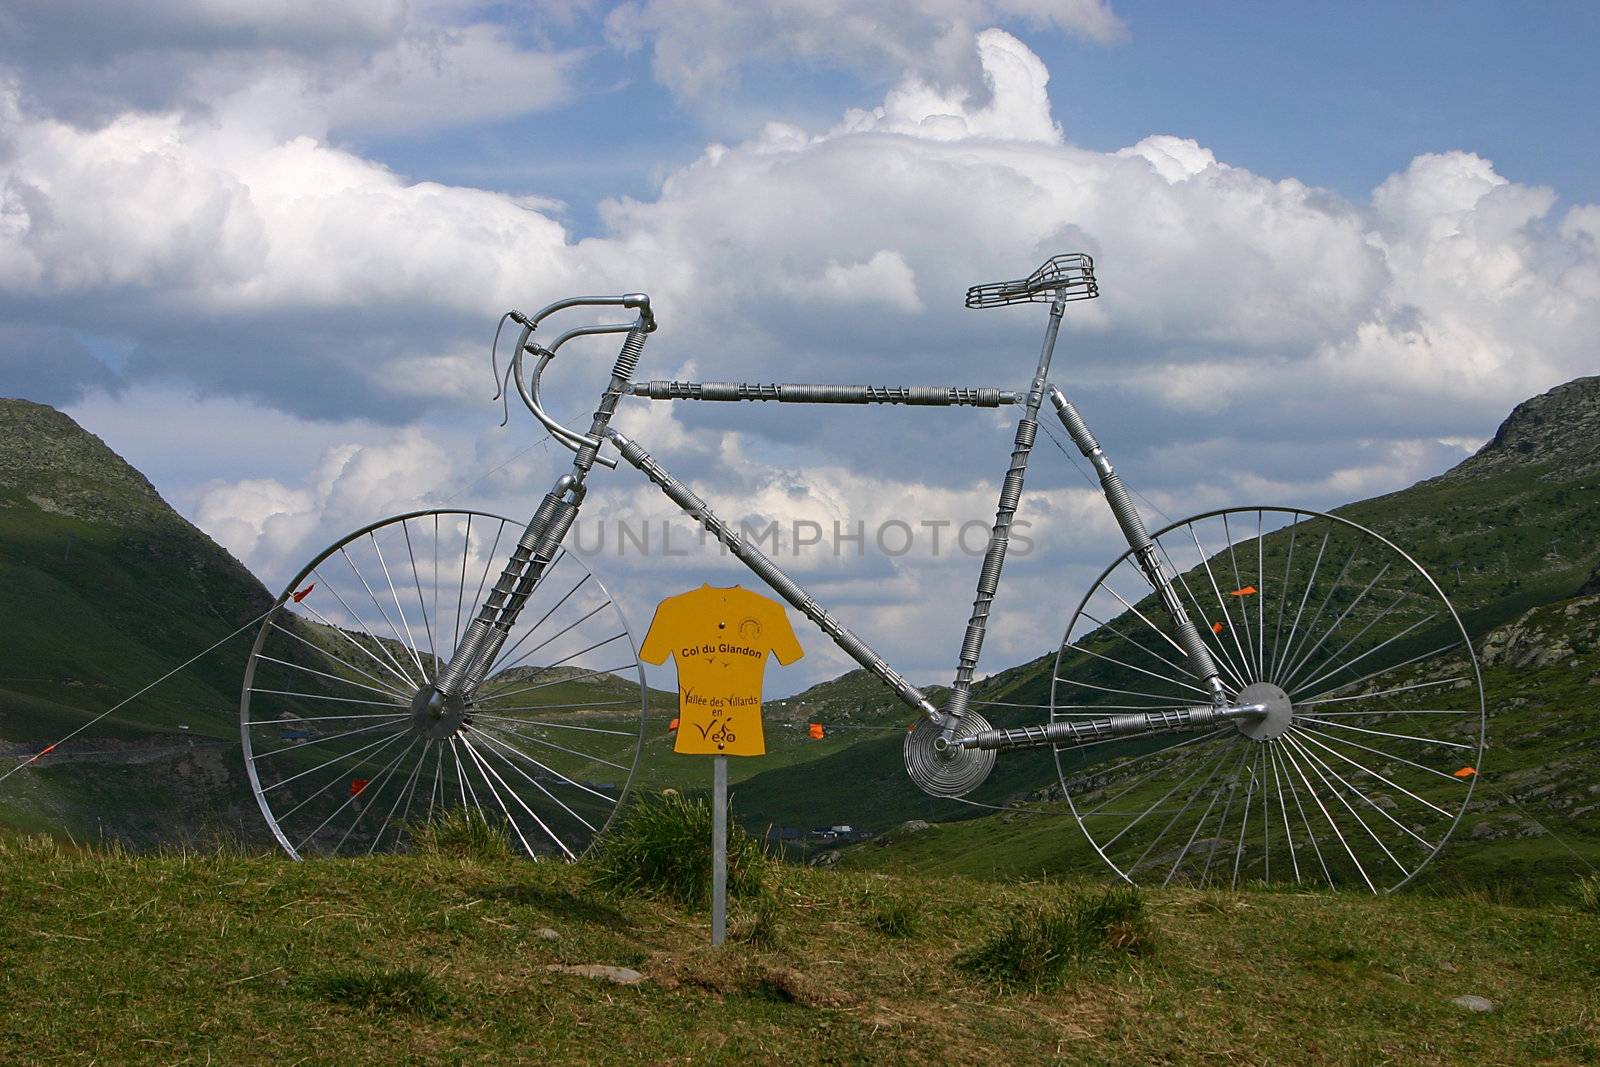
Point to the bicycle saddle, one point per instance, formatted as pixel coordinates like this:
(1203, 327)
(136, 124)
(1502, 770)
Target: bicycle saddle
(1071, 275)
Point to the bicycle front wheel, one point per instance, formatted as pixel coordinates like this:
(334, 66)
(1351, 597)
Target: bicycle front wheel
(543, 750)
(1373, 739)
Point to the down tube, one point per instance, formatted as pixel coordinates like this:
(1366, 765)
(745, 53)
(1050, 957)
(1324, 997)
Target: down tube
(769, 572)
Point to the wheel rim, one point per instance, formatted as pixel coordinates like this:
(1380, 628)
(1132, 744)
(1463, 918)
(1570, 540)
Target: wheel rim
(1372, 742)
(341, 763)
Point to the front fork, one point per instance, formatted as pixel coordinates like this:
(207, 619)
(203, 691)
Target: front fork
(535, 550)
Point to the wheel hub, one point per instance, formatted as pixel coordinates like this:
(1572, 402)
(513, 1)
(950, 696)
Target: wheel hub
(1280, 711)
(436, 716)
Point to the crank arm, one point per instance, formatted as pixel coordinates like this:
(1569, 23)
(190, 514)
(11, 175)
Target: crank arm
(1137, 723)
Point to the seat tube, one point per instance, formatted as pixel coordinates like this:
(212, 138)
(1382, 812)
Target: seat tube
(994, 556)
(1144, 550)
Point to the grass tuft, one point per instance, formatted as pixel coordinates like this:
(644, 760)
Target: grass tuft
(661, 848)
(1040, 949)
(758, 924)
(464, 834)
(893, 916)
(1587, 890)
(399, 991)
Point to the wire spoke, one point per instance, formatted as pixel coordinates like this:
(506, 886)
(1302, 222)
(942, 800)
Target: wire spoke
(1137, 644)
(515, 796)
(1132, 760)
(1376, 648)
(556, 636)
(1215, 766)
(1370, 696)
(1205, 561)
(1319, 767)
(377, 785)
(256, 757)
(400, 795)
(484, 772)
(279, 724)
(1333, 627)
(539, 764)
(505, 656)
(1332, 739)
(1385, 733)
(411, 641)
(461, 590)
(333, 677)
(1283, 807)
(1383, 670)
(1208, 636)
(422, 604)
(337, 759)
(1121, 692)
(1183, 853)
(1232, 789)
(553, 681)
(1288, 752)
(1301, 737)
(336, 779)
(1141, 670)
(1334, 655)
(323, 696)
(1244, 819)
(553, 725)
(387, 662)
(379, 682)
(401, 641)
(1283, 602)
(559, 748)
(1311, 581)
(1238, 584)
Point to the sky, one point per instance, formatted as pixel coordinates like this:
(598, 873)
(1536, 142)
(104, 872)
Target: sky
(261, 247)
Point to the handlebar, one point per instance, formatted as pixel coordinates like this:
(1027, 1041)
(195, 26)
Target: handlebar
(640, 301)
(528, 388)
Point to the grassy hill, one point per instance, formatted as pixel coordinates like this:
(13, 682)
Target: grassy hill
(233, 958)
(104, 588)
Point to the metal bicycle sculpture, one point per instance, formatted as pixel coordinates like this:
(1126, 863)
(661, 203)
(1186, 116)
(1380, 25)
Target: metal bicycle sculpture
(1250, 694)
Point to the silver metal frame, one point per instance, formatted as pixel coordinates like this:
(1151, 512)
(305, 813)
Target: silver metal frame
(952, 749)
(1060, 281)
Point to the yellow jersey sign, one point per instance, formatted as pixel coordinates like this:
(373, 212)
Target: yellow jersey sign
(720, 639)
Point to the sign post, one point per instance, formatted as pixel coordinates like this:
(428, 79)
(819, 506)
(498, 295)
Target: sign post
(719, 640)
(719, 849)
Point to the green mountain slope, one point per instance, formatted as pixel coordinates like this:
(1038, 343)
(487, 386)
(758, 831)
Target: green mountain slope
(104, 588)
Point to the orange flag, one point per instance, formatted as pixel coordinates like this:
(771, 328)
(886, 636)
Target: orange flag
(1216, 627)
(816, 731)
(1248, 590)
(673, 725)
(357, 785)
(1467, 772)
(302, 594)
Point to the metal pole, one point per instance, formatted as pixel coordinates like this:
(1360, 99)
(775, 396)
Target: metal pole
(719, 850)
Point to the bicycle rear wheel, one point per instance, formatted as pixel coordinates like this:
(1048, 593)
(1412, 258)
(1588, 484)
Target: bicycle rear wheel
(543, 750)
(1373, 740)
